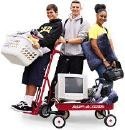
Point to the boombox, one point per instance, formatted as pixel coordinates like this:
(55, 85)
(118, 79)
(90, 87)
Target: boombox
(112, 74)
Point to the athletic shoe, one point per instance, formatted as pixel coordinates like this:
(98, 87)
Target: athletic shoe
(22, 106)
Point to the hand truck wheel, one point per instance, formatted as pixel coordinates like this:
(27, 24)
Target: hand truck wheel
(100, 114)
(110, 120)
(66, 114)
(45, 111)
(59, 121)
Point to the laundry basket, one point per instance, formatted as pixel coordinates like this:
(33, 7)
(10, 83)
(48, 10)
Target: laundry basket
(18, 49)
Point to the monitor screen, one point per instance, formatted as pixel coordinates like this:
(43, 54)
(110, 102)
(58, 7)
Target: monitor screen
(73, 85)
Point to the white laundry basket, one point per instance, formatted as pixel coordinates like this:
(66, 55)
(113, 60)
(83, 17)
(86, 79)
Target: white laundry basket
(18, 50)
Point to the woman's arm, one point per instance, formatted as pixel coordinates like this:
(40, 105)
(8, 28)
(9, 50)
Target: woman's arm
(111, 44)
(98, 52)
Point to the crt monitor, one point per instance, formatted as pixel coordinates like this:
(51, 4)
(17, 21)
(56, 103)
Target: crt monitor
(71, 87)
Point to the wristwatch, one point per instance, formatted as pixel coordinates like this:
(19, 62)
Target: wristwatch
(67, 41)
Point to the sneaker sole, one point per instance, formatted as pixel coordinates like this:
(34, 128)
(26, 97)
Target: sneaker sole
(20, 110)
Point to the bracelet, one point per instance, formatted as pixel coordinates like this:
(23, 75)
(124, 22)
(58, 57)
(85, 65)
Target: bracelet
(104, 60)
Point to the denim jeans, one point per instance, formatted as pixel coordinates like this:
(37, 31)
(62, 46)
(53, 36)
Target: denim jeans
(111, 95)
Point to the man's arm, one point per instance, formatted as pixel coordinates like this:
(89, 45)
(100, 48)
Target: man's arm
(82, 34)
(51, 37)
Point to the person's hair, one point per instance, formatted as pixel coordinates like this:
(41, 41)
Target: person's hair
(76, 1)
(52, 6)
(100, 7)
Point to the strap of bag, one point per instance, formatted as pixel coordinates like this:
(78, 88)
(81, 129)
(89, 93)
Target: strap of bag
(81, 21)
(106, 29)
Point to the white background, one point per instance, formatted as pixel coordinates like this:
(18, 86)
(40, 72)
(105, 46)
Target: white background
(23, 15)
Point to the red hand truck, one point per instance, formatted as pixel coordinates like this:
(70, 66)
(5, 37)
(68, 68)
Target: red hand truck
(102, 111)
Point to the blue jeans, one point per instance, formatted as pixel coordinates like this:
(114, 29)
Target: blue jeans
(106, 91)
